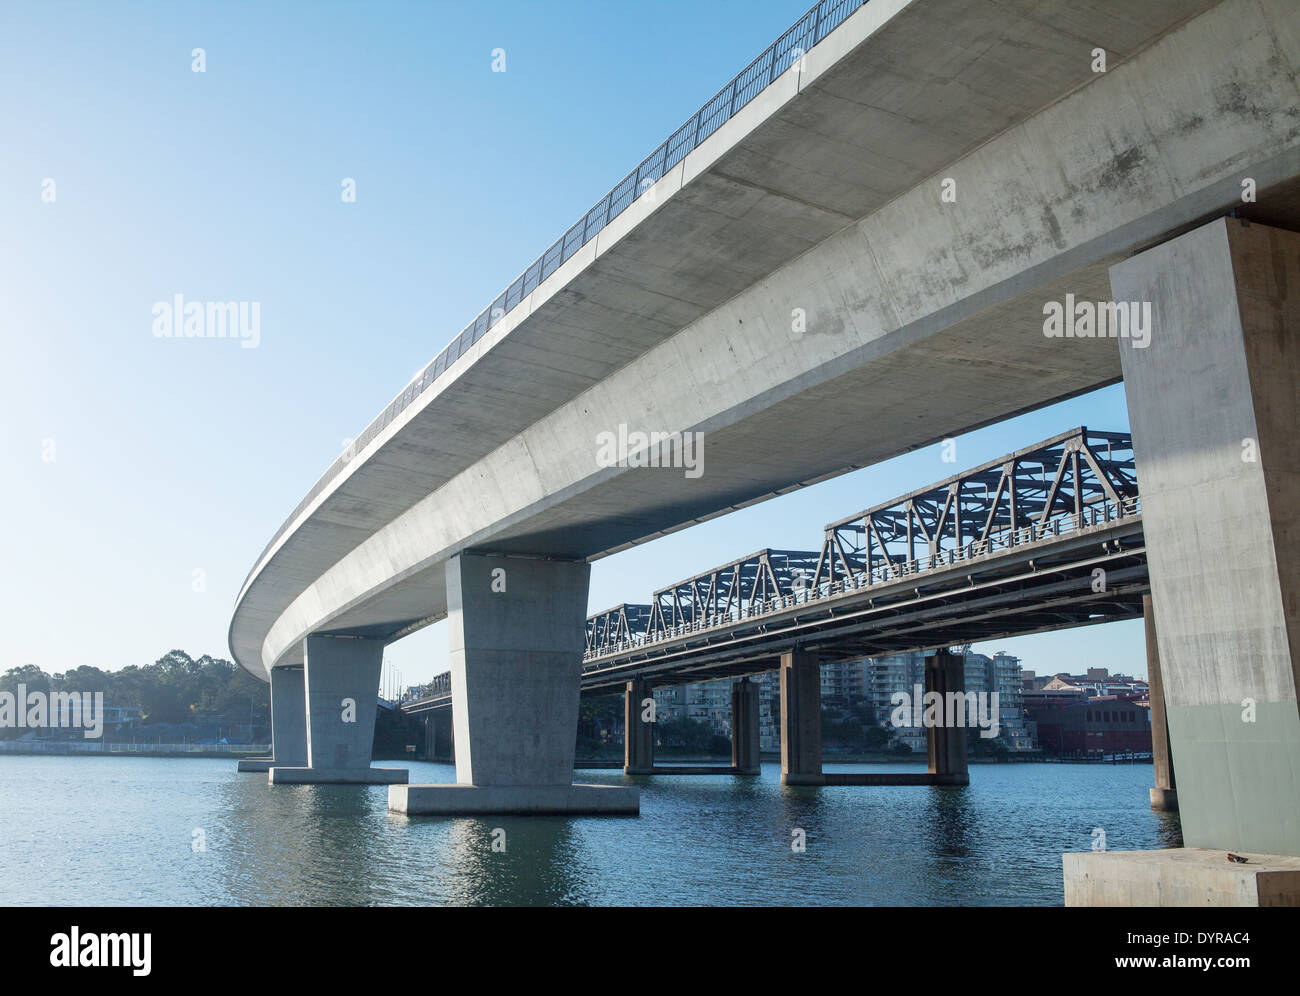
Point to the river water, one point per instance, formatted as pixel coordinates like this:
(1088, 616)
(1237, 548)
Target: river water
(145, 831)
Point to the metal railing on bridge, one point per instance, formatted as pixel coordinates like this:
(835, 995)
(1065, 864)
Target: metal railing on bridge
(798, 39)
(1075, 481)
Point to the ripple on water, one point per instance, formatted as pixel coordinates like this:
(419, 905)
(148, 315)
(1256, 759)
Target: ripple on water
(123, 831)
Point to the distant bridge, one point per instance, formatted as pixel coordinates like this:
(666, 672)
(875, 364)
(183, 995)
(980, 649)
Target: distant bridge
(1048, 537)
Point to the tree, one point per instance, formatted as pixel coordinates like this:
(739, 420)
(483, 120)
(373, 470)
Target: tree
(29, 675)
(692, 735)
(876, 738)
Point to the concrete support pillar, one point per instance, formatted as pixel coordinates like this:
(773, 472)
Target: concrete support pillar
(288, 717)
(516, 658)
(288, 723)
(1164, 796)
(341, 682)
(438, 739)
(801, 719)
(744, 727)
(516, 628)
(638, 734)
(945, 674)
(1213, 407)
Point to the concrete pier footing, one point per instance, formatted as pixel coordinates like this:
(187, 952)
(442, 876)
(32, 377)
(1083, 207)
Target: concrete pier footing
(338, 776)
(1181, 876)
(1213, 407)
(468, 800)
(288, 723)
(516, 630)
(945, 675)
(638, 732)
(744, 728)
(801, 719)
(1164, 795)
(801, 729)
(340, 682)
(1163, 800)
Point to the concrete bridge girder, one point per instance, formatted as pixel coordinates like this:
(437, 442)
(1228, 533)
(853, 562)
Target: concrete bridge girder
(888, 98)
(917, 293)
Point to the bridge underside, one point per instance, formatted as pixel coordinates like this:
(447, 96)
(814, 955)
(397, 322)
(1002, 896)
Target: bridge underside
(923, 318)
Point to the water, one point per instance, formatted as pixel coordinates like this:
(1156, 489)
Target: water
(110, 831)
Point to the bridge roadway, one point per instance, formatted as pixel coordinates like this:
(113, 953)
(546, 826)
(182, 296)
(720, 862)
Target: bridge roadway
(848, 253)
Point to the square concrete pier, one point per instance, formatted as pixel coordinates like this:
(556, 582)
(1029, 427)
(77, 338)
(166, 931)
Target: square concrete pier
(338, 776)
(1180, 876)
(473, 800)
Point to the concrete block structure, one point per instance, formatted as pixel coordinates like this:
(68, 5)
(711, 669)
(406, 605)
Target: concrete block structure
(945, 676)
(288, 723)
(516, 631)
(638, 733)
(1185, 876)
(801, 719)
(1214, 408)
(340, 680)
(1164, 794)
(744, 727)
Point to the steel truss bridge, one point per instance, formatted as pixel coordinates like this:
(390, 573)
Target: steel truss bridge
(1048, 537)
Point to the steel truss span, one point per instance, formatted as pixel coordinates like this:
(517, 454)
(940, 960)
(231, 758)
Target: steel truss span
(1017, 541)
(1048, 537)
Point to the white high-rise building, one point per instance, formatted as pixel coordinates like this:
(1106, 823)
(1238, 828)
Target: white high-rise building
(872, 680)
(984, 675)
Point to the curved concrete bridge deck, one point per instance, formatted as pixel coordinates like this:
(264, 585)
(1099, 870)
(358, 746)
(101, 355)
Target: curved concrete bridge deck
(799, 289)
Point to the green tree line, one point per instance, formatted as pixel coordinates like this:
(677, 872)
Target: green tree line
(173, 689)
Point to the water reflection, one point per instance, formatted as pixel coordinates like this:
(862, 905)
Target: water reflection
(104, 831)
(506, 861)
(1169, 830)
(947, 821)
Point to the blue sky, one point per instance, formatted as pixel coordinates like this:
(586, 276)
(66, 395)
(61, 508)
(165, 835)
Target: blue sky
(177, 456)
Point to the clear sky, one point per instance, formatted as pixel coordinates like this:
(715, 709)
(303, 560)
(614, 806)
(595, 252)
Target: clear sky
(142, 475)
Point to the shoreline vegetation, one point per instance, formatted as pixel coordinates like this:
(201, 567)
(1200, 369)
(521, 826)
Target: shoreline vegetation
(174, 704)
(58, 748)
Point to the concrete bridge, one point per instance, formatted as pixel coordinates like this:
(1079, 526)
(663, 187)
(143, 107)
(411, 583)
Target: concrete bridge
(865, 243)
